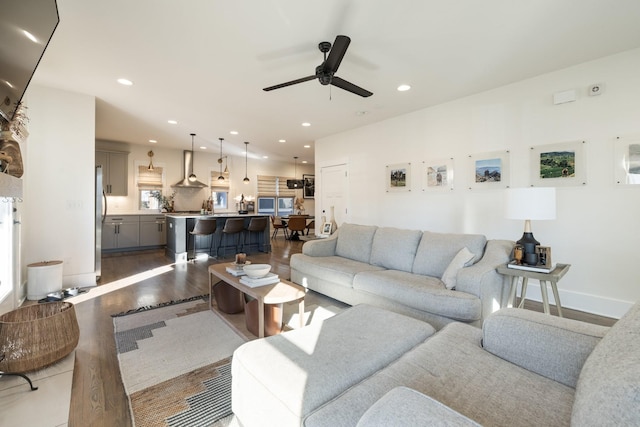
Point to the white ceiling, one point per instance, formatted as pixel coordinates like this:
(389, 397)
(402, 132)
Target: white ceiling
(204, 62)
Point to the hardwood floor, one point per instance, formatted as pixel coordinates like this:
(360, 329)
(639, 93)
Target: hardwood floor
(149, 278)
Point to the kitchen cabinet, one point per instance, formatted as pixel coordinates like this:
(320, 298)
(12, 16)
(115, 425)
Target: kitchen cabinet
(153, 230)
(120, 232)
(114, 172)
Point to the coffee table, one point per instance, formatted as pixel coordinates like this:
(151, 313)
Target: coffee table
(277, 293)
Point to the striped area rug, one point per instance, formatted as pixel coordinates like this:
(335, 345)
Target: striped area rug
(175, 362)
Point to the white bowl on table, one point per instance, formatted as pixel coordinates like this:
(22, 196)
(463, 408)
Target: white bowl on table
(256, 271)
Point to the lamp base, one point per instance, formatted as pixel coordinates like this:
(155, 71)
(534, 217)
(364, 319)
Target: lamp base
(529, 243)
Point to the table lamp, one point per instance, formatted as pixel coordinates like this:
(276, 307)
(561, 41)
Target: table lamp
(534, 203)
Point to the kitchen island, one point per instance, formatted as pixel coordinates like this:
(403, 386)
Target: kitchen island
(180, 242)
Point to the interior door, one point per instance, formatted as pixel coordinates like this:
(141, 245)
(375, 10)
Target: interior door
(333, 189)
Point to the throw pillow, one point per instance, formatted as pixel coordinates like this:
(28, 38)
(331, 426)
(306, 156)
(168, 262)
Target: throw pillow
(462, 259)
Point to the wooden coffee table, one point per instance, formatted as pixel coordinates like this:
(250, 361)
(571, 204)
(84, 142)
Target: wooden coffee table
(277, 293)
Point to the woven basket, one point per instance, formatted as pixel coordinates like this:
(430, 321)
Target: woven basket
(36, 336)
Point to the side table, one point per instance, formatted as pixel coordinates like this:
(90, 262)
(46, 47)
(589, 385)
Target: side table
(553, 277)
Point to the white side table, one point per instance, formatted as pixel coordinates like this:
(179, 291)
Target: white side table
(553, 277)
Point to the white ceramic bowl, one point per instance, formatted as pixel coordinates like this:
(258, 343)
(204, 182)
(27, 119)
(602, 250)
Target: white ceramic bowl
(256, 271)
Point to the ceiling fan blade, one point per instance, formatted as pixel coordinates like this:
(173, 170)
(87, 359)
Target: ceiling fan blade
(292, 82)
(343, 84)
(336, 54)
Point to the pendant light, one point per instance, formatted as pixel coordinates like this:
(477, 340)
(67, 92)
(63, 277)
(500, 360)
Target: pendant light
(192, 177)
(150, 154)
(246, 178)
(220, 177)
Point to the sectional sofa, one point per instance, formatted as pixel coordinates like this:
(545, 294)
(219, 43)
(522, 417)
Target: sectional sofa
(435, 277)
(370, 367)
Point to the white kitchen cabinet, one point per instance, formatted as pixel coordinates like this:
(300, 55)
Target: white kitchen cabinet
(114, 172)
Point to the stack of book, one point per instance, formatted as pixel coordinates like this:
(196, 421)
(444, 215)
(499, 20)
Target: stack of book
(236, 270)
(269, 279)
(536, 268)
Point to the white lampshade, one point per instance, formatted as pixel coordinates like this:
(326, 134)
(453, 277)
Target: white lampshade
(533, 203)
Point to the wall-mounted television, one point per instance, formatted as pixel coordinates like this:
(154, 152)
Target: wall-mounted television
(295, 183)
(26, 27)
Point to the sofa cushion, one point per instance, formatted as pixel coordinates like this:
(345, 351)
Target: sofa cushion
(394, 248)
(355, 241)
(452, 368)
(436, 250)
(335, 269)
(462, 259)
(608, 390)
(403, 406)
(279, 380)
(419, 292)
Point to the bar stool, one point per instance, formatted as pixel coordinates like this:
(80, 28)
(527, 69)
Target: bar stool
(203, 227)
(256, 225)
(232, 226)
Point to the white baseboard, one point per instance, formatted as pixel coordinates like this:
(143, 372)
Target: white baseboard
(601, 306)
(84, 280)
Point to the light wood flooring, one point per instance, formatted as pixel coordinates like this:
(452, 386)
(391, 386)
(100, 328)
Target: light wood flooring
(98, 397)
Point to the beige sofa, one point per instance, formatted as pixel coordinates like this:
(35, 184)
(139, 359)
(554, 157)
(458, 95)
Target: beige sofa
(424, 275)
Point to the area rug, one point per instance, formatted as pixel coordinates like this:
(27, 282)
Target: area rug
(175, 362)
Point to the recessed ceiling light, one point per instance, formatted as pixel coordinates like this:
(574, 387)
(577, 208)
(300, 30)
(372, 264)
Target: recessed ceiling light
(361, 113)
(153, 141)
(282, 140)
(403, 88)
(30, 36)
(304, 161)
(265, 157)
(125, 82)
(234, 132)
(172, 122)
(306, 124)
(307, 146)
(203, 147)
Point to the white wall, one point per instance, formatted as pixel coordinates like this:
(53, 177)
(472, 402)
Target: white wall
(596, 230)
(58, 214)
(204, 161)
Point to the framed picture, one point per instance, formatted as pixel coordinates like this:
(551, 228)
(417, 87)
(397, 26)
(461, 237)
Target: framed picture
(399, 177)
(556, 165)
(544, 256)
(326, 229)
(490, 170)
(437, 175)
(309, 186)
(627, 161)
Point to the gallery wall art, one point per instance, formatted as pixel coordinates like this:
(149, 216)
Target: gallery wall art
(561, 164)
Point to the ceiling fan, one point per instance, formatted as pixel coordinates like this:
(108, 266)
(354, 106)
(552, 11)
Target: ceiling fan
(325, 72)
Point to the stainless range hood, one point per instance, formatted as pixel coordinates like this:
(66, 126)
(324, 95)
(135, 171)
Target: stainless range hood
(185, 183)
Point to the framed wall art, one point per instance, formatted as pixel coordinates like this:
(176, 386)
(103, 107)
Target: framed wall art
(398, 177)
(309, 186)
(627, 161)
(490, 170)
(437, 175)
(561, 164)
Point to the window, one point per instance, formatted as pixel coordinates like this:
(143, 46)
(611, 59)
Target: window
(220, 199)
(150, 182)
(147, 201)
(274, 198)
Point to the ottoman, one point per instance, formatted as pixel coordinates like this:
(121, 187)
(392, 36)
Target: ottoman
(280, 380)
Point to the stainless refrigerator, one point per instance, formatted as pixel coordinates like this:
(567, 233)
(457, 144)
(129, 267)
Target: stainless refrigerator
(101, 212)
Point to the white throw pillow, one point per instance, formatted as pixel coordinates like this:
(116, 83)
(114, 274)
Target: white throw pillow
(462, 259)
